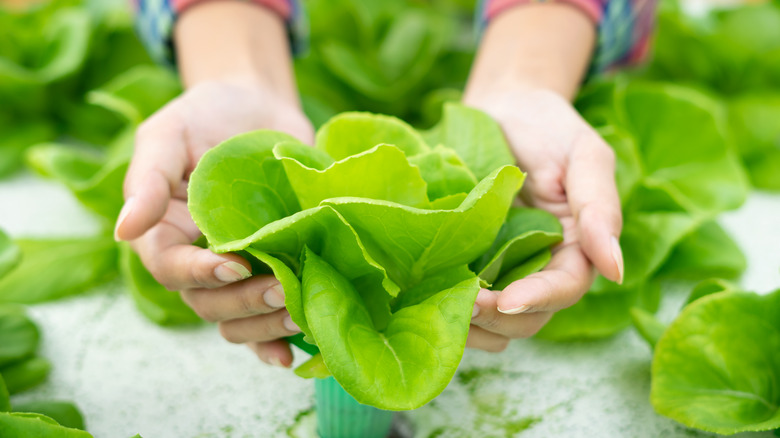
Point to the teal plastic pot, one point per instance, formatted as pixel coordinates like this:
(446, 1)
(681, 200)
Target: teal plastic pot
(339, 415)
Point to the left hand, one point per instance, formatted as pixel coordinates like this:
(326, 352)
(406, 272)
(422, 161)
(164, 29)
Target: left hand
(570, 173)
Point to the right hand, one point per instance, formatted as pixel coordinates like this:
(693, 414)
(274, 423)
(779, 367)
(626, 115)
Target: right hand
(155, 219)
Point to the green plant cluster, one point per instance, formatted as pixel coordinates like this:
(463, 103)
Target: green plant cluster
(52, 54)
(403, 58)
(75, 83)
(380, 239)
(94, 176)
(21, 369)
(716, 367)
(733, 54)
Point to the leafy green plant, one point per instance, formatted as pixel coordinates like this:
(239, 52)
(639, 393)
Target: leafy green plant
(53, 53)
(717, 366)
(21, 369)
(24, 424)
(9, 254)
(379, 240)
(396, 57)
(52, 269)
(95, 176)
(754, 126)
(734, 54)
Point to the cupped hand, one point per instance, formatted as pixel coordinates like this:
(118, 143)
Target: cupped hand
(155, 219)
(570, 173)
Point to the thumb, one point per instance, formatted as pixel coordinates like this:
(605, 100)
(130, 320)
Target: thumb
(156, 171)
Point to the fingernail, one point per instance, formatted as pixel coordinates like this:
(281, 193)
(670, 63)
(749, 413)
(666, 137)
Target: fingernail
(290, 325)
(275, 361)
(230, 272)
(122, 216)
(274, 297)
(475, 312)
(519, 309)
(617, 255)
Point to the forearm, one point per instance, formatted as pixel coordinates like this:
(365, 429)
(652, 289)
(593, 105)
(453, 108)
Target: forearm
(232, 40)
(533, 46)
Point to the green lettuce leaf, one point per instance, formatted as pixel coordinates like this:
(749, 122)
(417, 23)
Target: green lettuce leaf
(25, 374)
(535, 263)
(53, 268)
(326, 232)
(706, 252)
(18, 337)
(417, 353)
(412, 243)
(717, 366)
(137, 93)
(151, 298)
(755, 129)
(16, 139)
(18, 424)
(476, 137)
(444, 173)
(525, 233)
(93, 177)
(351, 133)
(313, 368)
(709, 287)
(10, 254)
(601, 313)
(64, 413)
(263, 196)
(702, 176)
(648, 327)
(5, 397)
(384, 169)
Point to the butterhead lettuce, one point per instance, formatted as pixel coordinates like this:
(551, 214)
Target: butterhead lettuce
(380, 239)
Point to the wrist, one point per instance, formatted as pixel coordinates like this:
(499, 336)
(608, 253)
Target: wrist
(539, 46)
(234, 42)
(503, 100)
(506, 88)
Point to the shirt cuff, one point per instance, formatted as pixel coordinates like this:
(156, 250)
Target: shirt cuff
(624, 27)
(155, 20)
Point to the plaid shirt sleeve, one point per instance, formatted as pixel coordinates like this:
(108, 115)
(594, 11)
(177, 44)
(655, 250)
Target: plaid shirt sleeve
(624, 27)
(155, 19)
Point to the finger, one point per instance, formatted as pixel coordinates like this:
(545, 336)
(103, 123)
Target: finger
(482, 339)
(277, 353)
(258, 295)
(561, 284)
(168, 254)
(543, 188)
(156, 171)
(593, 196)
(259, 328)
(490, 319)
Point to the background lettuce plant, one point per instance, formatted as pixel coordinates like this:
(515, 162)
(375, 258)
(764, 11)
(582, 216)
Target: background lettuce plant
(380, 268)
(94, 176)
(716, 367)
(51, 54)
(393, 57)
(733, 54)
(21, 369)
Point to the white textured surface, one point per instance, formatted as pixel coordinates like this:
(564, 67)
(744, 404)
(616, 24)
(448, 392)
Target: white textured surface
(129, 376)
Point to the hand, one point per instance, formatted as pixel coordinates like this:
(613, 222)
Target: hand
(155, 218)
(570, 173)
